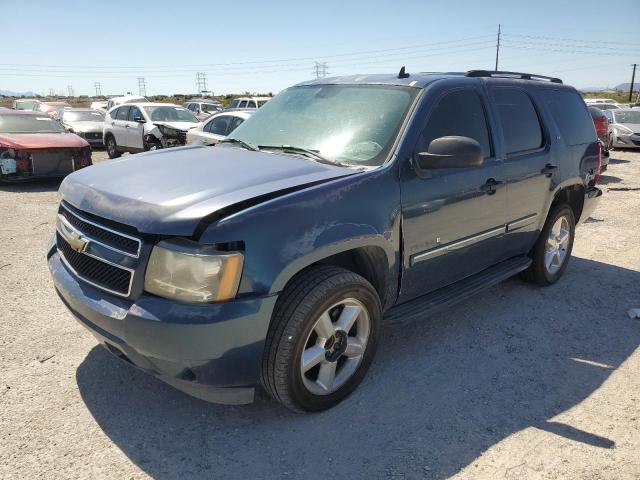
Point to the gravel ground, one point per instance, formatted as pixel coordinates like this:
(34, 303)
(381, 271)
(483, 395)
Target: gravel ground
(517, 382)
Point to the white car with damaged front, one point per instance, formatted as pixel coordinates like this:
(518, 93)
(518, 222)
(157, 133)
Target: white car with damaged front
(138, 127)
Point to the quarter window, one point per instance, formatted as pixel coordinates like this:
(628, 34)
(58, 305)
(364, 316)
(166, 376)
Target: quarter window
(519, 120)
(235, 123)
(571, 116)
(458, 113)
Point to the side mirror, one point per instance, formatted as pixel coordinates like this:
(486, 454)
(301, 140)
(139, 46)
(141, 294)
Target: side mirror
(451, 152)
(70, 130)
(138, 119)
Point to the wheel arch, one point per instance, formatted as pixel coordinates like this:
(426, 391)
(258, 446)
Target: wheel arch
(573, 195)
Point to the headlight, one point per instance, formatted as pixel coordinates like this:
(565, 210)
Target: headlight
(168, 131)
(185, 271)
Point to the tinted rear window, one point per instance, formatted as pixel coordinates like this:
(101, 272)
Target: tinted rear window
(519, 120)
(571, 116)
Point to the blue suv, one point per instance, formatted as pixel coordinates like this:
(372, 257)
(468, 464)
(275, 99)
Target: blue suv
(273, 258)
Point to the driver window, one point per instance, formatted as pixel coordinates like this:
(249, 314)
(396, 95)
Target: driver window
(457, 113)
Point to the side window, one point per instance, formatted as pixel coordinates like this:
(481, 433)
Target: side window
(243, 104)
(123, 113)
(571, 116)
(234, 123)
(114, 113)
(134, 112)
(234, 104)
(519, 120)
(218, 126)
(458, 113)
(251, 104)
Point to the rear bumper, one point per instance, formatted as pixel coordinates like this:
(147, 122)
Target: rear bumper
(213, 352)
(591, 200)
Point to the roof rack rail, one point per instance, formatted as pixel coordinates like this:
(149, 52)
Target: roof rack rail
(499, 73)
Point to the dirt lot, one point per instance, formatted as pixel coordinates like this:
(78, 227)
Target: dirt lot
(517, 382)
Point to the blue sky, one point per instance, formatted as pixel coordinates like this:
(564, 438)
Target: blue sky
(267, 46)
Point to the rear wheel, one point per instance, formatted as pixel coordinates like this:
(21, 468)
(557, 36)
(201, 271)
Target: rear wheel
(322, 338)
(552, 250)
(112, 147)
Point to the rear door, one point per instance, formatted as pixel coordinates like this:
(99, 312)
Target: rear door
(525, 149)
(452, 218)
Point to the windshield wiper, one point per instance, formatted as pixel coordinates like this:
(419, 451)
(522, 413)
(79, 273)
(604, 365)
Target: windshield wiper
(303, 151)
(242, 143)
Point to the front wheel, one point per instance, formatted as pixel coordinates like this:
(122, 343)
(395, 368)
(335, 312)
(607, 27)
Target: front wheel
(322, 338)
(552, 250)
(112, 147)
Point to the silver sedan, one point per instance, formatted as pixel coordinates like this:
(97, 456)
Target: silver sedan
(85, 122)
(624, 128)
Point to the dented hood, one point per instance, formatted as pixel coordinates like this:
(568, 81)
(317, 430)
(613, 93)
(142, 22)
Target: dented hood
(168, 192)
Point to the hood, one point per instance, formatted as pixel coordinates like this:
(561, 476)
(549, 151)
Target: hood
(635, 127)
(168, 192)
(179, 125)
(42, 140)
(86, 126)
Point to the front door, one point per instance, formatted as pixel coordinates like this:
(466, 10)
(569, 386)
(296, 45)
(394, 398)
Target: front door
(453, 219)
(135, 130)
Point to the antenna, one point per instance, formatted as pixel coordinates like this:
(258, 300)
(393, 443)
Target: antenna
(403, 73)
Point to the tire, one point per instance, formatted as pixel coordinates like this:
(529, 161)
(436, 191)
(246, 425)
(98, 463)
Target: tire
(112, 147)
(152, 145)
(295, 324)
(541, 272)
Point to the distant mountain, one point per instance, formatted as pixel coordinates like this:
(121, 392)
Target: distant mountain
(9, 93)
(624, 87)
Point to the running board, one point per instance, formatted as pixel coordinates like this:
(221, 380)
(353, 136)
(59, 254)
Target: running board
(446, 296)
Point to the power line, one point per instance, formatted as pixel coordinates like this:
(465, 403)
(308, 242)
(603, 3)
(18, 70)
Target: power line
(142, 86)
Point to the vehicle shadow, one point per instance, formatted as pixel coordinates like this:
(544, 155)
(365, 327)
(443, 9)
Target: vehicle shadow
(440, 392)
(607, 179)
(32, 186)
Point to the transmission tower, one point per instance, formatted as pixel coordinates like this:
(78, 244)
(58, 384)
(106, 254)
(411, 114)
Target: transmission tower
(201, 82)
(142, 86)
(98, 87)
(70, 91)
(320, 70)
(52, 92)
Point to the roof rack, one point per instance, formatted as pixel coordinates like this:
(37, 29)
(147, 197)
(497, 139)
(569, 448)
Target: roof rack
(522, 76)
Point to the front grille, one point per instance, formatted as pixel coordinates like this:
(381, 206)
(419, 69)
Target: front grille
(94, 271)
(93, 136)
(104, 235)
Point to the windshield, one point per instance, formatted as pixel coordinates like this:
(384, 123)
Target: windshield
(353, 124)
(29, 124)
(208, 107)
(170, 113)
(627, 117)
(83, 116)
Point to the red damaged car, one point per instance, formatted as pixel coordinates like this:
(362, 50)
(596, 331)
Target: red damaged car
(33, 146)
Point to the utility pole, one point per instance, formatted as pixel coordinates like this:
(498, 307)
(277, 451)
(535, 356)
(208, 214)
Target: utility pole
(320, 70)
(142, 86)
(70, 91)
(201, 82)
(497, 49)
(98, 88)
(633, 78)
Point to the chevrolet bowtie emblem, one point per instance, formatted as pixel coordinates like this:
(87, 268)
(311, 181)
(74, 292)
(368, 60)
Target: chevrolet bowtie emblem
(76, 241)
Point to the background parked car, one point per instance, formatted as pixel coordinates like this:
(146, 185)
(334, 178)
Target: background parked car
(248, 102)
(602, 129)
(85, 123)
(202, 108)
(53, 109)
(624, 128)
(34, 146)
(217, 127)
(99, 105)
(146, 126)
(25, 104)
(112, 102)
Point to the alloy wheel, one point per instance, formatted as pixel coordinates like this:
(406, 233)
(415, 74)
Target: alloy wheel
(555, 252)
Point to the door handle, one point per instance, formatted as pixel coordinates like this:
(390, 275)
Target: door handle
(489, 187)
(548, 170)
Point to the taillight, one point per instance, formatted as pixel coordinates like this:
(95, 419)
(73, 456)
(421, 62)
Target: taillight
(601, 126)
(596, 177)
